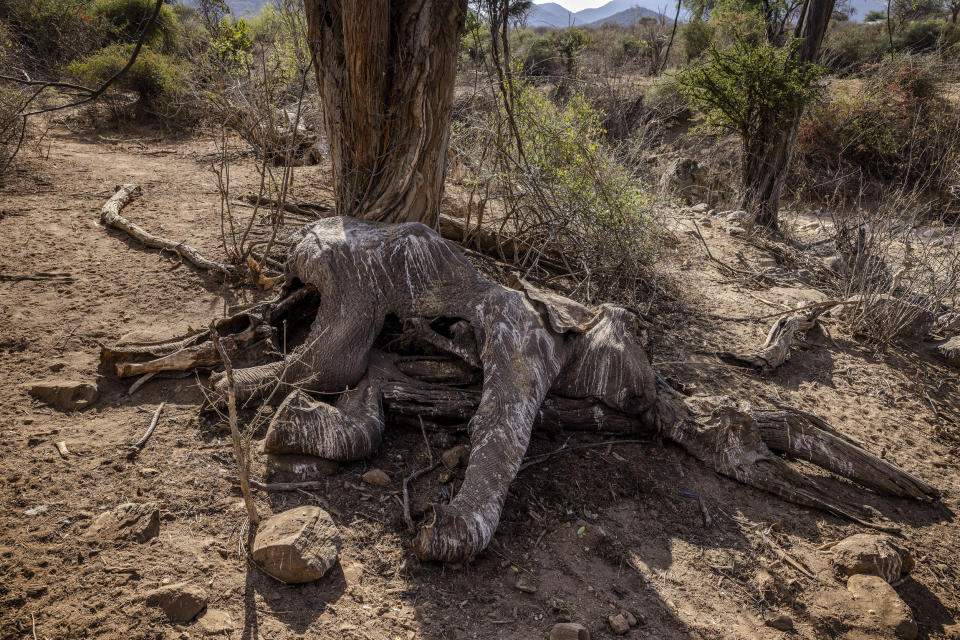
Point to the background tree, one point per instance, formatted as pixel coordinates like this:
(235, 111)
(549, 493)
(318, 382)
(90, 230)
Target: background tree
(386, 71)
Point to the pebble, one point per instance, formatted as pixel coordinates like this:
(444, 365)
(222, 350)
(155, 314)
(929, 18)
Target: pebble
(376, 477)
(783, 622)
(455, 457)
(181, 602)
(618, 624)
(569, 631)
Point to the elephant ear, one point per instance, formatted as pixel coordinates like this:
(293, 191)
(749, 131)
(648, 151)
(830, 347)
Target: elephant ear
(564, 314)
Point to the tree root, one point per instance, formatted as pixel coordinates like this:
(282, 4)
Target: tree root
(404, 328)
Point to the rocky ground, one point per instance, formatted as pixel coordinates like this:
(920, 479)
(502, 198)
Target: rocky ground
(638, 540)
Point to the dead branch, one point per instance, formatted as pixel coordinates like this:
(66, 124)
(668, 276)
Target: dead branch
(110, 216)
(776, 348)
(242, 467)
(139, 444)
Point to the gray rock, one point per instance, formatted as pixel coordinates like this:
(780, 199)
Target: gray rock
(181, 602)
(297, 545)
(701, 207)
(877, 555)
(216, 622)
(736, 231)
(66, 395)
(884, 608)
(782, 622)
(129, 521)
(737, 217)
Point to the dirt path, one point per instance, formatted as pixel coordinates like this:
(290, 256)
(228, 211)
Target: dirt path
(594, 532)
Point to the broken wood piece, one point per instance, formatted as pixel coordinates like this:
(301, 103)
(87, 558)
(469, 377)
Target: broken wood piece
(110, 216)
(142, 380)
(139, 444)
(776, 348)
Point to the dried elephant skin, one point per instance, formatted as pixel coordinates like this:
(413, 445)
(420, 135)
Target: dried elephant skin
(364, 271)
(528, 343)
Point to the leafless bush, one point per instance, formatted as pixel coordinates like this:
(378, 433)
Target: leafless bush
(902, 269)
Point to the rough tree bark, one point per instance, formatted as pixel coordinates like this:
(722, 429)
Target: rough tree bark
(386, 70)
(541, 358)
(766, 162)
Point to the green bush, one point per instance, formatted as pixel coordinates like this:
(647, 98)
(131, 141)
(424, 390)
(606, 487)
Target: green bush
(849, 46)
(156, 78)
(747, 87)
(629, 48)
(920, 37)
(44, 34)
(125, 20)
(565, 193)
(695, 37)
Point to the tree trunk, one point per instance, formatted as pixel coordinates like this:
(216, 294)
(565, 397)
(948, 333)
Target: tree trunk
(765, 166)
(386, 71)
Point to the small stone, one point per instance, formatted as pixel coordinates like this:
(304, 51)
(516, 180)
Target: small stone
(455, 457)
(879, 598)
(216, 622)
(866, 553)
(767, 262)
(569, 631)
(618, 624)
(36, 511)
(736, 231)
(629, 617)
(297, 545)
(783, 622)
(705, 222)
(181, 602)
(376, 477)
(736, 217)
(701, 207)
(66, 395)
(524, 584)
(129, 521)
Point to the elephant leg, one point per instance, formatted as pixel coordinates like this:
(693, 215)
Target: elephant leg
(520, 364)
(349, 430)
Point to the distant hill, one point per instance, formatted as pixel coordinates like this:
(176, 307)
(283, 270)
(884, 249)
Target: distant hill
(627, 17)
(623, 12)
(238, 7)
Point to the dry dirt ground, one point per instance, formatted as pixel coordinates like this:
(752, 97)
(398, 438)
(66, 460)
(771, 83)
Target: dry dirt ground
(594, 531)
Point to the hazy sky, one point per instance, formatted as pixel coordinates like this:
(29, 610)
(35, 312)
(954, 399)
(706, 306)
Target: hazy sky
(577, 5)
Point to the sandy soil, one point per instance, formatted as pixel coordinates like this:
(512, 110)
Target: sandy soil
(595, 531)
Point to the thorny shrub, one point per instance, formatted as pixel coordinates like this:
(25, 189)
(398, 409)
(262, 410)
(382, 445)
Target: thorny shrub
(560, 192)
(903, 269)
(897, 128)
